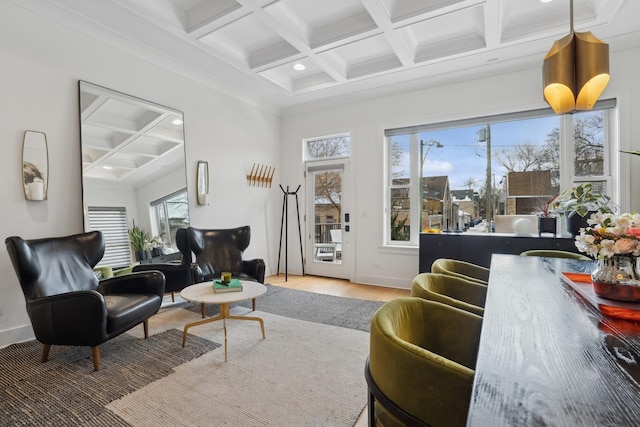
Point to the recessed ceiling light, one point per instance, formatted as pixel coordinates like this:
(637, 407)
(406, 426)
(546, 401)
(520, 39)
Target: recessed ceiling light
(107, 168)
(177, 122)
(299, 67)
(546, 1)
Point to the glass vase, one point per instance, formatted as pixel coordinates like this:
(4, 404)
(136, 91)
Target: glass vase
(617, 278)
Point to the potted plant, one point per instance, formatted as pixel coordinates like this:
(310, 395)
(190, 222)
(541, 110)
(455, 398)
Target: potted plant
(577, 203)
(547, 217)
(138, 237)
(157, 245)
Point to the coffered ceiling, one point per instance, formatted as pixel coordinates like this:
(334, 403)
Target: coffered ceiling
(345, 46)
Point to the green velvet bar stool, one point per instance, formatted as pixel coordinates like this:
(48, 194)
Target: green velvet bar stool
(556, 254)
(450, 290)
(461, 269)
(421, 363)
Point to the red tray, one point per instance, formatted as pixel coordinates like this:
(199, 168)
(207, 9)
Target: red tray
(581, 283)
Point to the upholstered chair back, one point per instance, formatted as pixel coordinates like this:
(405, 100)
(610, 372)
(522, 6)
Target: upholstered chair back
(54, 266)
(462, 269)
(422, 358)
(182, 242)
(219, 250)
(454, 291)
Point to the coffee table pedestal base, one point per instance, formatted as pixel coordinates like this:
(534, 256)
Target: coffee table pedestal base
(224, 314)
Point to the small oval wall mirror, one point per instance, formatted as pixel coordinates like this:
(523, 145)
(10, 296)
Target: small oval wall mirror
(203, 183)
(35, 165)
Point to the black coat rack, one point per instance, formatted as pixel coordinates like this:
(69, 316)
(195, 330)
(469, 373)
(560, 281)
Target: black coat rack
(285, 228)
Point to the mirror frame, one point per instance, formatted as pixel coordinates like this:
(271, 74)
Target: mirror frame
(129, 134)
(35, 165)
(203, 183)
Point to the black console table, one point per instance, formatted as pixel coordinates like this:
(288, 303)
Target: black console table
(477, 248)
(163, 259)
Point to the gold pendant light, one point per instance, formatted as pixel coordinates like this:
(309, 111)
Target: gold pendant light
(575, 71)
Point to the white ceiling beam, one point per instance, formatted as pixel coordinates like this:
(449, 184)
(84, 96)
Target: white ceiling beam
(292, 38)
(378, 12)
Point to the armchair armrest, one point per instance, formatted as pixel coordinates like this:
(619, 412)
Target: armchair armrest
(255, 268)
(177, 274)
(145, 282)
(72, 318)
(196, 273)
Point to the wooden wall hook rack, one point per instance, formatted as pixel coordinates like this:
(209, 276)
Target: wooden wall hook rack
(261, 175)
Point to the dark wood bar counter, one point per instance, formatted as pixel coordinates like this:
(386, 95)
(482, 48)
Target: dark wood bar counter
(549, 358)
(477, 248)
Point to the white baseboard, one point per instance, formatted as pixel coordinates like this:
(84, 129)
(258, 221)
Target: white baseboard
(387, 282)
(19, 334)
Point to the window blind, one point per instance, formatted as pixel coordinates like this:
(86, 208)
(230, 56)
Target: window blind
(112, 221)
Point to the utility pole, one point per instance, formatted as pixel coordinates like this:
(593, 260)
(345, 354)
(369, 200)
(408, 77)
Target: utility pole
(484, 135)
(423, 157)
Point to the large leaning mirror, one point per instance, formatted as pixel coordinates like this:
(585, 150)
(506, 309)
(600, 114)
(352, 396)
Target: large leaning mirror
(133, 175)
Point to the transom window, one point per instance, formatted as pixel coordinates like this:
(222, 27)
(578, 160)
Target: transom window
(457, 176)
(327, 147)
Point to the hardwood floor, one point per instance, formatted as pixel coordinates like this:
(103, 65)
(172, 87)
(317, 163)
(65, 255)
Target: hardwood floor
(342, 288)
(337, 287)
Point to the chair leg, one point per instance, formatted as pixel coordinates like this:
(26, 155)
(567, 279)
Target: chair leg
(253, 303)
(173, 296)
(202, 309)
(95, 353)
(145, 325)
(45, 352)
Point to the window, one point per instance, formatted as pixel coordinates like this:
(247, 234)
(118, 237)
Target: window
(171, 213)
(459, 175)
(327, 147)
(112, 221)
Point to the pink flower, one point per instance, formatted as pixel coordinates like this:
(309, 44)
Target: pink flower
(625, 246)
(634, 231)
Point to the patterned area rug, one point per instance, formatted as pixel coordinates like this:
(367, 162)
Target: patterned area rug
(328, 309)
(306, 372)
(303, 374)
(65, 391)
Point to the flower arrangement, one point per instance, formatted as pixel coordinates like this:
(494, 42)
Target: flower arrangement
(609, 235)
(156, 242)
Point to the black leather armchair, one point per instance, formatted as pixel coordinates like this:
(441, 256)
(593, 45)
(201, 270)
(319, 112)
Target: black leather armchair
(177, 276)
(221, 250)
(65, 301)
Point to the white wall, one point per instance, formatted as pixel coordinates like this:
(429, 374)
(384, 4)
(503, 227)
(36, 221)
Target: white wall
(516, 91)
(41, 65)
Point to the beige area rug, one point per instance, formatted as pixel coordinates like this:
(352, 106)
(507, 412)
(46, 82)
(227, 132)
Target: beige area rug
(303, 374)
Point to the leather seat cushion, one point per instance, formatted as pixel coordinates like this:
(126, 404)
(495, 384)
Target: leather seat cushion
(124, 310)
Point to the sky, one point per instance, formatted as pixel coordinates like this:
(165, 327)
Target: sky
(463, 156)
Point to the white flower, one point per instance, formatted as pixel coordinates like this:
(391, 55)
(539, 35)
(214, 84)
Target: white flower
(609, 235)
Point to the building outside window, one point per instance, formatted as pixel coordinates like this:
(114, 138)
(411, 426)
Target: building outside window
(457, 176)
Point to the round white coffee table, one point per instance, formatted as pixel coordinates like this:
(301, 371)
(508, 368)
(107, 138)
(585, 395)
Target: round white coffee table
(203, 294)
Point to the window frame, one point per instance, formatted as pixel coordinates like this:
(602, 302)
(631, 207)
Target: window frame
(162, 202)
(567, 166)
(305, 147)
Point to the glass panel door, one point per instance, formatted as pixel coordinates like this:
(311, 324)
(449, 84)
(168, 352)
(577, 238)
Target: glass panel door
(327, 219)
